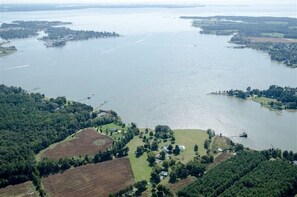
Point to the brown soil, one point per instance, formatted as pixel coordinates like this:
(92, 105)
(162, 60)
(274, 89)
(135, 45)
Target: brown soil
(181, 184)
(218, 159)
(86, 142)
(91, 180)
(26, 189)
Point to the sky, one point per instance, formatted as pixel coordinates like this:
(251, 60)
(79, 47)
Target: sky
(205, 2)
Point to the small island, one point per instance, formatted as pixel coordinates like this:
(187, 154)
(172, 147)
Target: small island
(56, 34)
(6, 50)
(275, 97)
(274, 35)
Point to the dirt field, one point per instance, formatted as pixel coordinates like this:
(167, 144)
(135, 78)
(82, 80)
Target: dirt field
(181, 184)
(85, 142)
(91, 180)
(26, 189)
(273, 40)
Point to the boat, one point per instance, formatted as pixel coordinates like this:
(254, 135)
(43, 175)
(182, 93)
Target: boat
(244, 134)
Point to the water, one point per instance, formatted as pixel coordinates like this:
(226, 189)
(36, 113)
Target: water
(159, 71)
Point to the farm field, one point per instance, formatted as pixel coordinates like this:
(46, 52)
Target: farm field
(85, 142)
(26, 189)
(91, 180)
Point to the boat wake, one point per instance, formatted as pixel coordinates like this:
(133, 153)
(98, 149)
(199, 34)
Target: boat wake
(16, 67)
(143, 39)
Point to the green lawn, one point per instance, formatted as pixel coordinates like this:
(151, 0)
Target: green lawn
(264, 101)
(115, 135)
(140, 166)
(188, 138)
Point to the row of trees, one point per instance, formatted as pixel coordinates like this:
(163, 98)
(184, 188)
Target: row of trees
(249, 174)
(270, 178)
(119, 149)
(218, 179)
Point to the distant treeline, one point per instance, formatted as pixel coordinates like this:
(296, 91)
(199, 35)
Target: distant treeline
(30, 122)
(42, 7)
(243, 27)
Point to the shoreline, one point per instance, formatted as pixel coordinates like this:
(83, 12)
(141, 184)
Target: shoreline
(263, 101)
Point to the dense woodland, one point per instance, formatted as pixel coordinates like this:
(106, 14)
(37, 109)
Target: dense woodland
(286, 96)
(56, 35)
(243, 28)
(30, 122)
(247, 174)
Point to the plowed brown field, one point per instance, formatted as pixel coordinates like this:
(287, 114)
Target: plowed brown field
(26, 189)
(91, 180)
(88, 141)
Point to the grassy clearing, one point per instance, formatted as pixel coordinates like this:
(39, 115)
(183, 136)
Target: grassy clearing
(221, 142)
(265, 102)
(106, 129)
(188, 138)
(140, 166)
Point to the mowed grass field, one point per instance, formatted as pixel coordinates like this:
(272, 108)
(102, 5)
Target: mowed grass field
(26, 189)
(88, 141)
(140, 166)
(99, 179)
(188, 138)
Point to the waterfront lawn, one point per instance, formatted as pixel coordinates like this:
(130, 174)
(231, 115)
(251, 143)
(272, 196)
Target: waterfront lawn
(188, 138)
(265, 102)
(106, 128)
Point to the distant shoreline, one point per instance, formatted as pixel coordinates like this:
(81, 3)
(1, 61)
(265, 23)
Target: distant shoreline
(48, 7)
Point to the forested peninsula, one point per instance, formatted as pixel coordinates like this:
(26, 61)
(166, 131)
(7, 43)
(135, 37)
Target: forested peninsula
(275, 35)
(56, 34)
(275, 97)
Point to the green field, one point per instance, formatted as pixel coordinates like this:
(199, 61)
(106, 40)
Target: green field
(115, 135)
(265, 101)
(140, 166)
(188, 138)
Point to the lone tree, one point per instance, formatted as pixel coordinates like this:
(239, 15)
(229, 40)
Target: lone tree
(172, 177)
(196, 148)
(151, 158)
(176, 150)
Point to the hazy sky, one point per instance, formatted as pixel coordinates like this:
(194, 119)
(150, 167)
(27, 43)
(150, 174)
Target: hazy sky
(239, 2)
